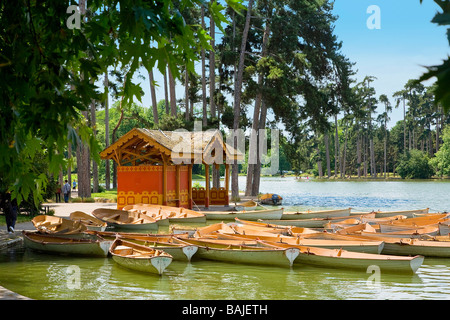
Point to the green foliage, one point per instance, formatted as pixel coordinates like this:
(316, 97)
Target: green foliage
(441, 161)
(415, 165)
(441, 72)
(48, 73)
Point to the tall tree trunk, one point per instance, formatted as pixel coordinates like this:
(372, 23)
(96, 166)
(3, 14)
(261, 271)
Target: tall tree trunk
(153, 94)
(257, 167)
(404, 126)
(212, 68)
(69, 166)
(327, 153)
(166, 92)
(94, 164)
(253, 176)
(205, 115)
(336, 146)
(186, 93)
(83, 157)
(173, 98)
(237, 99)
(319, 159)
(108, 162)
(437, 133)
(358, 155)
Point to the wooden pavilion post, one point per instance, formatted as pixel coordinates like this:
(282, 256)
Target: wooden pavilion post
(227, 184)
(191, 205)
(207, 185)
(164, 180)
(177, 187)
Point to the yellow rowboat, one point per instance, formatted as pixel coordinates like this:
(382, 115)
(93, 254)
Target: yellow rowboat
(167, 243)
(140, 258)
(342, 224)
(244, 254)
(120, 219)
(248, 204)
(408, 246)
(63, 245)
(408, 213)
(339, 258)
(266, 214)
(56, 225)
(324, 214)
(401, 225)
(91, 222)
(373, 220)
(173, 214)
(365, 246)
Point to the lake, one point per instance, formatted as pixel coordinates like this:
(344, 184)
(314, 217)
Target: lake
(44, 276)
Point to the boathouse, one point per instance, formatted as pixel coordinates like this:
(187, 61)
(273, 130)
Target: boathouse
(155, 167)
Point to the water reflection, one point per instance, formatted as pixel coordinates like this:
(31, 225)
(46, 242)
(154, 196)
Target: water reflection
(45, 276)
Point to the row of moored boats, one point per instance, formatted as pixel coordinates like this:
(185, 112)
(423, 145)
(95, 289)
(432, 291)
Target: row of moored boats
(392, 241)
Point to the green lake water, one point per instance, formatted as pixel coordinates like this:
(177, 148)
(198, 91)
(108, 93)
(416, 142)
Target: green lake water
(45, 276)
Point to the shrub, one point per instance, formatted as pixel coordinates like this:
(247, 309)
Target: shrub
(415, 165)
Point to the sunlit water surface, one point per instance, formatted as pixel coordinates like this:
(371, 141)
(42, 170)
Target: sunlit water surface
(45, 276)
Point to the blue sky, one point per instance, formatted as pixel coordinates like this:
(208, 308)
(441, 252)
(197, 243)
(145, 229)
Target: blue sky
(406, 42)
(399, 51)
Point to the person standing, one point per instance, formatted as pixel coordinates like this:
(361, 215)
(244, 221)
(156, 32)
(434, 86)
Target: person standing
(10, 209)
(58, 193)
(66, 191)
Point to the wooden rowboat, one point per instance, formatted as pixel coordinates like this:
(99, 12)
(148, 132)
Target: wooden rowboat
(409, 246)
(365, 246)
(444, 227)
(91, 222)
(120, 219)
(140, 258)
(244, 254)
(408, 213)
(422, 221)
(248, 204)
(324, 214)
(173, 214)
(56, 225)
(373, 220)
(266, 214)
(339, 258)
(167, 243)
(69, 246)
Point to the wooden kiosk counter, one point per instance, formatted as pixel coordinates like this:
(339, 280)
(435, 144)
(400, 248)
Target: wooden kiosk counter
(155, 167)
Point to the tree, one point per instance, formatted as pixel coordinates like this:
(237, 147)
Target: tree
(41, 59)
(237, 100)
(384, 117)
(441, 161)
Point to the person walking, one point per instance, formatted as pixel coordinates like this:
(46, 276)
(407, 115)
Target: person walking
(66, 191)
(58, 194)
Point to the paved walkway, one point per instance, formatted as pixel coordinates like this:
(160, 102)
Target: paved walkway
(61, 210)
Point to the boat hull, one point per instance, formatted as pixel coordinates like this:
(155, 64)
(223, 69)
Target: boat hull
(67, 246)
(283, 258)
(253, 215)
(314, 215)
(154, 265)
(357, 261)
